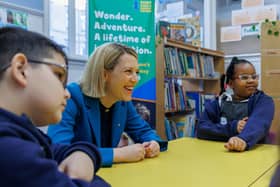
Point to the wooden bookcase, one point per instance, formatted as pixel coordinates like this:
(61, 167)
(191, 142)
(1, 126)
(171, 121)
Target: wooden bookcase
(211, 85)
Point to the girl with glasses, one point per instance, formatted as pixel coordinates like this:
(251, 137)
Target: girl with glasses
(241, 118)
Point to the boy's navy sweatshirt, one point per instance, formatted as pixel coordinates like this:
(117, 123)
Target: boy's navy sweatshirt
(28, 159)
(260, 113)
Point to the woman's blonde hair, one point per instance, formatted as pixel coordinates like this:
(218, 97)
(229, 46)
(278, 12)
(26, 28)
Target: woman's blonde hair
(105, 57)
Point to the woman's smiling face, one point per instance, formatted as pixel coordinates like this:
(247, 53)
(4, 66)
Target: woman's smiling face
(121, 81)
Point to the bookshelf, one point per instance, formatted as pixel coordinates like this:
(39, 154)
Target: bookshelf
(203, 80)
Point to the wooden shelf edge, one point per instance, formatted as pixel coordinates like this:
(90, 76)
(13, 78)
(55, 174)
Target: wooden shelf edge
(191, 78)
(144, 100)
(184, 112)
(182, 45)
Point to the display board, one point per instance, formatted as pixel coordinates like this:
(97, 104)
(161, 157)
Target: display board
(130, 22)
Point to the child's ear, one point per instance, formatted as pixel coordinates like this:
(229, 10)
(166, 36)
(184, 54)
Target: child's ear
(19, 64)
(230, 83)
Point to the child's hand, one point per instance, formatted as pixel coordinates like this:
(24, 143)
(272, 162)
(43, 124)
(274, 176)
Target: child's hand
(130, 153)
(241, 124)
(78, 165)
(151, 149)
(235, 144)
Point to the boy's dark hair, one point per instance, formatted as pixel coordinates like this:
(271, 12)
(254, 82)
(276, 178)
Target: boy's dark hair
(230, 71)
(15, 40)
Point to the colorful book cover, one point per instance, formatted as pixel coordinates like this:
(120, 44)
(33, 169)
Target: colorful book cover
(196, 97)
(192, 26)
(178, 31)
(163, 29)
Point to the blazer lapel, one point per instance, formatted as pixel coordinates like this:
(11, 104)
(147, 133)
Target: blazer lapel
(93, 115)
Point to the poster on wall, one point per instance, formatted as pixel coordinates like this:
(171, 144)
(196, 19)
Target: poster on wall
(250, 3)
(9, 17)
(230, 33)
(254, 15)
(131, 24)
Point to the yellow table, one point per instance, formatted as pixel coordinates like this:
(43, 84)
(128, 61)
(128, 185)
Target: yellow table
(264, 180)
(191, 162)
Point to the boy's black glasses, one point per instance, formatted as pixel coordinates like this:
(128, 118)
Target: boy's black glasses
(61, 66)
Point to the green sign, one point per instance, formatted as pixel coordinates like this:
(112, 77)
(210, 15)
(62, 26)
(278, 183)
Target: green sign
(130, 22)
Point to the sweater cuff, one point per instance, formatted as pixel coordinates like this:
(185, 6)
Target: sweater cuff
(163, 145)
(248, 146)
(107, 156)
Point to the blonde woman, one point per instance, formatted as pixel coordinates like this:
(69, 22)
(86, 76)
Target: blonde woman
(100, 108)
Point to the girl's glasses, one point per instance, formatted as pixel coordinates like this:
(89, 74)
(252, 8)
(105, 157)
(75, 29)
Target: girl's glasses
(245, 77)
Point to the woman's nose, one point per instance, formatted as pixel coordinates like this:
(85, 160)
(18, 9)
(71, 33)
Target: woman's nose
(134, 77)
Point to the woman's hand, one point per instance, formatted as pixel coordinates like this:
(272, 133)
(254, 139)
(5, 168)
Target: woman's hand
(130, 153)
(152, 149)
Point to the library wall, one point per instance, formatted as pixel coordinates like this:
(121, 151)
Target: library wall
(250, 44)
(33, 9)
(270, 57)
(31, 4)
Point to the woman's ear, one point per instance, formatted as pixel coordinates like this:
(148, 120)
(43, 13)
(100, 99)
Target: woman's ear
(19, 66)
(106, 75)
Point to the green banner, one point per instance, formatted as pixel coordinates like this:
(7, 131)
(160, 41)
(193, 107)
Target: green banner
(130, 22)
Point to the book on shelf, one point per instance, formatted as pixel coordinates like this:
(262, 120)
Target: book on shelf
(197, 101)
(175, 98)
(163, 29)
(180, 126)
(178, 32)
(180, 62)
(194, 97)
(192, 27)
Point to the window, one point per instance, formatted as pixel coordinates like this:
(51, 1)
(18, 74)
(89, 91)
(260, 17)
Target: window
(81, 20)
(67, 28)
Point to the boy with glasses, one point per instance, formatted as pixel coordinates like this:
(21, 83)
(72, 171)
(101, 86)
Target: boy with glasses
(242, 118)
(33, 74)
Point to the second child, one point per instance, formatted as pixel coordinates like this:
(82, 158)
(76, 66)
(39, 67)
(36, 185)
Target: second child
(241, 119)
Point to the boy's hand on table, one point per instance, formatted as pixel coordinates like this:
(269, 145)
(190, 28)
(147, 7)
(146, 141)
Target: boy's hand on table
(152, 149)
(78, 165)
(235, 144)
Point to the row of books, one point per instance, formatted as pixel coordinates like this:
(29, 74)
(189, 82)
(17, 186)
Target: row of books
(180, 62)
(175, 97)
(198, 100)
(185, 125)
(178, 127)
